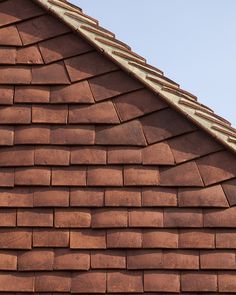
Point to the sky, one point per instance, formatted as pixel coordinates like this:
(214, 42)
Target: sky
(192, 41)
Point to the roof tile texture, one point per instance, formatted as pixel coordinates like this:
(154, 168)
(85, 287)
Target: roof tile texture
(103, 187)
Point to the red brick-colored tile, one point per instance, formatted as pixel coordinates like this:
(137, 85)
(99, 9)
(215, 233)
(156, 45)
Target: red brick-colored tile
(40, 28)
(75, 93)
(105, 176)
(229, 188)
(71, 260)
(49, 114)
(72, 218)
(16, 282)
(50, 238)
(7, 217)
(32, 135)
(138, 103)
(8, 260)
(31, 94)
(207, 197)
(52, 282)
(15, 115)
(198, 238)
(8, 55)
(99, 113)
(6, 177)
(89, 282)
(226, 239)
(16, 156)
(124, 238)
(12, 11)
(158, 154)
(50, 74)
(15, 239)
(121, 135)
(181, 259)
(88, 155)
(88, 65)
(108, 259)
(123, 197)
(152, 197)
(217, 260)
(125, 282)
(15, 75)
(72, 176)
(6, 136)
(51, 197)
(108, 218)
(199, 282)
(35, 217)
(220, 217)
(58, 156)
(174, 217)
(29, 55)
(17, 197)
(62, 47)
(161, 238)
(192, 145)
(227, 282)
(32, 176)
(165, 124)
(161, 281)
(140, 175)
(182, 175)
(73, 135)
(35, 260)
(124, 155)
(217, 167)
(146, 217)
(9, 36)
(6, 94)
(112, 84)
(88, 239)
(87, 197)
(144, 259)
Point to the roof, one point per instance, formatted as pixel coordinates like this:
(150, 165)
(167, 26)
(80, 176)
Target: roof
(134, 64)
(104, 186)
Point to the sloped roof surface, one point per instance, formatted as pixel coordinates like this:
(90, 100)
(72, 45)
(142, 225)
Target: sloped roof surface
(104, 186)
(154, 78)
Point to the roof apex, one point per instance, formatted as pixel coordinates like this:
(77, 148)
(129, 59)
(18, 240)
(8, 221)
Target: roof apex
(153, 78)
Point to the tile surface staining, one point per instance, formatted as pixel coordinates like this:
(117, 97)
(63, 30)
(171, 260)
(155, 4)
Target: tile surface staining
(104, 187)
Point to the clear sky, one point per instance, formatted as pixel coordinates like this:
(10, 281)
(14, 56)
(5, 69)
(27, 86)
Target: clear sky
(192, 41)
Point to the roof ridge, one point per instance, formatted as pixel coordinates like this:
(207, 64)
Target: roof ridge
(153, 78)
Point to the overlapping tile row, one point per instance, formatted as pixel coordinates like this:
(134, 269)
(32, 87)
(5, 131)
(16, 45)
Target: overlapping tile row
(104, 188)
(154, 78)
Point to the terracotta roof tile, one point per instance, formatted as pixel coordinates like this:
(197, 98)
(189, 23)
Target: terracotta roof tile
(62, 47)
(40, 28)
(119, 83)
(15, 75)
(7, 55)
(121, 135)
(9, 36)
(12, 11)
(50, 74)
(102, 113)
(75, 93)
(7, 94)
(113, 179)
(29, 55)
(31, 94)
(88, 65)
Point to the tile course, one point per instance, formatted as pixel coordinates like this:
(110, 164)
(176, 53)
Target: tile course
(104, 187)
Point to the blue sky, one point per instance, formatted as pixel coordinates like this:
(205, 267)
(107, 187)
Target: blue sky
(193, 42)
